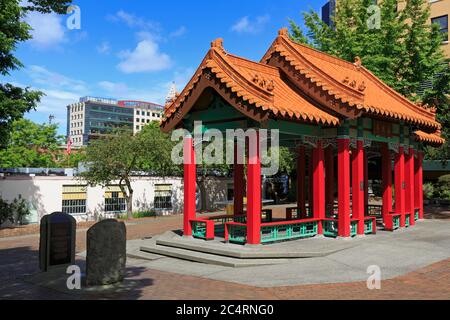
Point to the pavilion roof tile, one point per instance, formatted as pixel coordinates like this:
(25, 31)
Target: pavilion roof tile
(268, 88)
(430, 138)
(350, 82)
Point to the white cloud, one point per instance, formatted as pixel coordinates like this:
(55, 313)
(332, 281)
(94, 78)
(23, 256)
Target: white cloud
(48, 30)
(245, 25)
(104, 48)
(146, 57)
(179, 32)
(133, 21)
(49, 79)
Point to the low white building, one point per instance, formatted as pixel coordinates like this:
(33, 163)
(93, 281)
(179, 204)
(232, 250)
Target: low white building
(47, 194)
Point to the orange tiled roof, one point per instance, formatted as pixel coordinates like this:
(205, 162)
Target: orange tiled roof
(257, 84)
(430, 138)
(269, 88)
(349, 82)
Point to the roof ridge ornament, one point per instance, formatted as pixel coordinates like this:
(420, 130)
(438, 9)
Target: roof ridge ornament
(284, 32)
(358, 62)
(218, 44)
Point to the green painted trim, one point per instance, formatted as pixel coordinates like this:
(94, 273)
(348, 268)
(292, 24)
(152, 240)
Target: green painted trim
(292, 128)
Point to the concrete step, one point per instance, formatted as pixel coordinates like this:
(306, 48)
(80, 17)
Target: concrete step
(244, 252)
(207, 258)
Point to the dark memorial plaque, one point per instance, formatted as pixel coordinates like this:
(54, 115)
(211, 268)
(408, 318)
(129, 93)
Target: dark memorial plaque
(57, 240)
(106, 257)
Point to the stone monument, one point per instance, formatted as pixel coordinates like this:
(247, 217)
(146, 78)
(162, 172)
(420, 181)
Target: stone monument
(106, 253)
(57, 240)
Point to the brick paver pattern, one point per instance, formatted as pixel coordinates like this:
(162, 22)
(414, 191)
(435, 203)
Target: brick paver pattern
(19, 257)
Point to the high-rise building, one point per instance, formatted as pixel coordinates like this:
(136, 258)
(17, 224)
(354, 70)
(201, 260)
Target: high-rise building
(144, 113)
(92, 117)
(440, 10)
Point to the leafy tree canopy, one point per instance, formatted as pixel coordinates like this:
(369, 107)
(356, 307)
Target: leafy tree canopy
(15, 101)
(31, 145)
(404, 50)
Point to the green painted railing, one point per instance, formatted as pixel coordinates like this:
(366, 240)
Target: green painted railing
(237, 233)
(407, 220)
(353, 228)
(368, 226)
(198, 229)
(416, 214)
(374, 210)
(330, 228)
(396, 222)
(285, 231)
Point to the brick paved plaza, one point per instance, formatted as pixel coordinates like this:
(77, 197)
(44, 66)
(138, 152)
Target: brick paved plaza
(19, 260)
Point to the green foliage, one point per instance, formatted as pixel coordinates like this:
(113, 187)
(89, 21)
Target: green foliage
(31, 145)
(14, 212)
(443, 187)
(428, 190)
(404, 52)
(15, 101)
(139, 215)
(118, 156)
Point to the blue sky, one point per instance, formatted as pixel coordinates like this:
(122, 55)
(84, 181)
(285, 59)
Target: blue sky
(135, 49)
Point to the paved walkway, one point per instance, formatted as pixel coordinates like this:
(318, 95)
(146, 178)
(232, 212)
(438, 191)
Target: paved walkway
(19, 261)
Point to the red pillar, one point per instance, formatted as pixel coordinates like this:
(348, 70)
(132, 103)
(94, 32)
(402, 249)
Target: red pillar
(238, 182)
(358, 185)
(310, 182)
(301, 160)
(409, 177)
(329, 177)
(318, 174)
(254, 193)
(343, 187)
(386, 167)
(418, 183)
(399, 174)
(189, 184)
(366, 181)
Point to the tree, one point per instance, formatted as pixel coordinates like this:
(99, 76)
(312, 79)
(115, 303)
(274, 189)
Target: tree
(31, 145)
(121, 156)
(404, 51)
(15, 101)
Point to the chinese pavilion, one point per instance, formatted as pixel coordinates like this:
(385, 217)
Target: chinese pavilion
(336, 115)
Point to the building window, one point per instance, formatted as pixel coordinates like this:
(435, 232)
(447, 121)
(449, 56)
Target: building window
(137, 112)
(443, 23)
(148, 114)
(114, 199)
(74, 199)
(163, 196)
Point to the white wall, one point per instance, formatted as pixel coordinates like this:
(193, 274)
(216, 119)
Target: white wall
(44, 193)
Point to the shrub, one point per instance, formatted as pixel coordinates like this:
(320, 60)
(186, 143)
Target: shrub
(443, 187)
(14, 212)
(6, 214)
(428, 190)
(139, 215)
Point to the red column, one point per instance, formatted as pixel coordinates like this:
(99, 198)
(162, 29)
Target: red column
(254, 193)
(343, 187)
(358, 185)
(418, 184)
(366, 181)
(399, 175)
(329, 177)
(310, 181)
(189, 184)
(409, 178)
(301, 160)
(318, 174)
(386, 167)
(238, 182)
